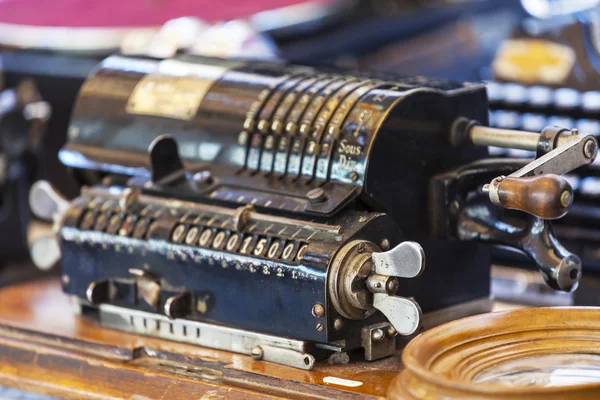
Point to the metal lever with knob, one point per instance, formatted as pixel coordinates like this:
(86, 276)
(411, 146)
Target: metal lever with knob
(537, 188)
(363, 279)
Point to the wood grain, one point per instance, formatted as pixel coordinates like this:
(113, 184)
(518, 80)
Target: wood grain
(45, 348)
(544, 196)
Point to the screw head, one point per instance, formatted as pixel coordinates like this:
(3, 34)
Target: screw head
(361, 247)
(377, 335)
(385, 245)
(353, 176)
(338, 324)
(257, 353)
(566, 198)
(590, 148)
(318, 310)
(392, 286)
(65, 279)
(391, 332)
(319, 327)
(316, 195)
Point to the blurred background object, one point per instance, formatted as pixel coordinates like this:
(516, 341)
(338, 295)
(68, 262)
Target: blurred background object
(23, 118)
(550, 8)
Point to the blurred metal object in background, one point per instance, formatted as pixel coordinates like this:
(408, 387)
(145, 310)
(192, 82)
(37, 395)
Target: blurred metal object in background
(230, 39)
(99, 28)
(550, 8)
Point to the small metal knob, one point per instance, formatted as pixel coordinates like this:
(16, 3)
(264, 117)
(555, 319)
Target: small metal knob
(100, 292)
(178, 306)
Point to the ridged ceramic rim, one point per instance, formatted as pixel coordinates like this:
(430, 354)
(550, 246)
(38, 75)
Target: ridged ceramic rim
(441, 363)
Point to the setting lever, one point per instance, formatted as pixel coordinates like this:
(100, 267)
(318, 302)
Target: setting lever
(49, 205)
(407, 260)
(46, 202)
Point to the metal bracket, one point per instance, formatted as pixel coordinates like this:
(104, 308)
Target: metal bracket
(283, 356)
(260, 346)
(378, 340)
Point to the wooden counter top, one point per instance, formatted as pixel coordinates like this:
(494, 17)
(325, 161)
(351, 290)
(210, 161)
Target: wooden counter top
(45, 348)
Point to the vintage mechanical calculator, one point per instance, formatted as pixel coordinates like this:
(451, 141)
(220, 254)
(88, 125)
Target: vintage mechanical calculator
(285, 212)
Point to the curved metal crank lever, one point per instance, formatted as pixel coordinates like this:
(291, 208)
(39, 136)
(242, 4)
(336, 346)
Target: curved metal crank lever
(560, 268)
(537, 189)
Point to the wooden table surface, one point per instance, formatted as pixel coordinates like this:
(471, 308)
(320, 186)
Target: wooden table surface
(45, 348)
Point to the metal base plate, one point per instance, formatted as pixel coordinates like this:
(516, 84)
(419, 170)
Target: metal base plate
(260, 346)
(285, 351)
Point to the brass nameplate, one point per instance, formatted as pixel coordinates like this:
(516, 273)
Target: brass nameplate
(175, 89)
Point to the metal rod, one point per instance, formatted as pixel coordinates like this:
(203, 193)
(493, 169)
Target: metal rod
(508, 138)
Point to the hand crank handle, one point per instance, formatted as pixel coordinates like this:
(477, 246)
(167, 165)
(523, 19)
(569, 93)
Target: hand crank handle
(545, 196)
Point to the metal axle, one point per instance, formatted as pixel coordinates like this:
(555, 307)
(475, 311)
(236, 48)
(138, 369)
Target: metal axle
(511, 139)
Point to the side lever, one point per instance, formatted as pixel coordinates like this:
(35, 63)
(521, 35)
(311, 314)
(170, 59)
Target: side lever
(536, 189)
(407, 260)
(48, 205)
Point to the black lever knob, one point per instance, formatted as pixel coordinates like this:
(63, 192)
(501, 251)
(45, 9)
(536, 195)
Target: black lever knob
(178, 306)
